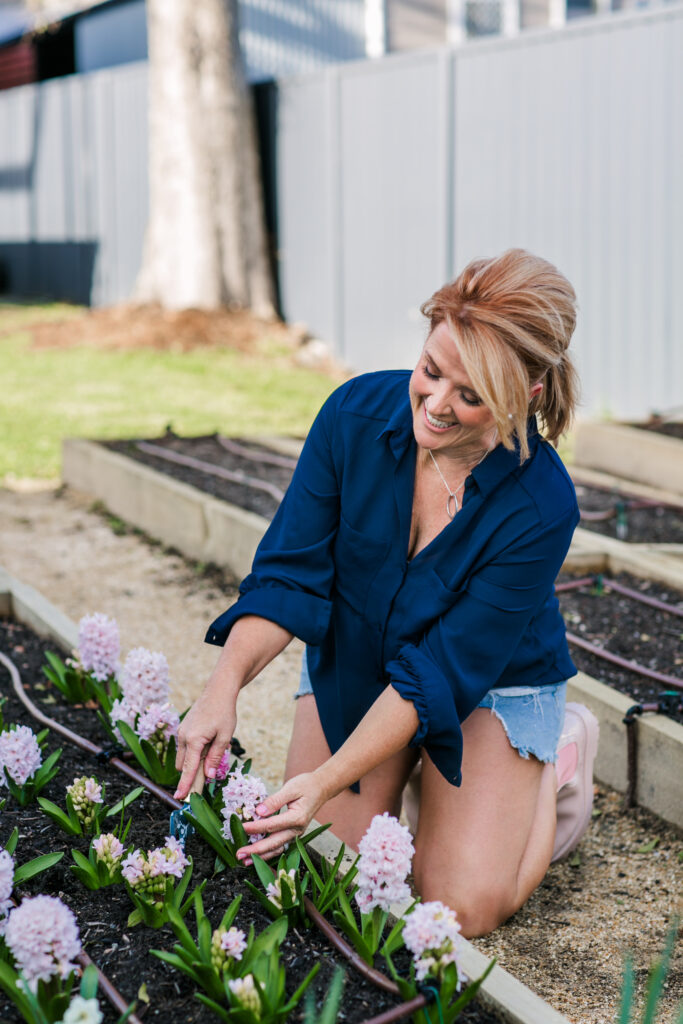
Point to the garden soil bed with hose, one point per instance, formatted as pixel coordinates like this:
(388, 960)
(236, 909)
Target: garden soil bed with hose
(567, 943)
(619, 624)
(609, 512)
(123, 953)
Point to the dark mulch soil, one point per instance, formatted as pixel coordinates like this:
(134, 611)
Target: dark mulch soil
(121, 952)
(630, 629)
(209, 449)
(670, 429)
(649, 525)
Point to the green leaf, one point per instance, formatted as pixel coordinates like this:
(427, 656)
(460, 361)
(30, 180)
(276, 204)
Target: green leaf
(89, 982)
(648, 847)
(125, 801)
(354, 936)
(135, 918)
(11, 843)
(468, 994)
(627, 989)
(36, 866)
(132, 741)
(264, 871)
(574, 861)
(63, 820)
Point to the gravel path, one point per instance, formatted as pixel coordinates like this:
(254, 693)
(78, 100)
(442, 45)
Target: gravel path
(567, 943)
(53, 541)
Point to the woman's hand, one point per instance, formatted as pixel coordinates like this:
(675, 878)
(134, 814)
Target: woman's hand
(204, 734)
(303, 795)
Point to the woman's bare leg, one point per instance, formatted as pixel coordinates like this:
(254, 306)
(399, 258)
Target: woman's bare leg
(484, 847)
(350, 813)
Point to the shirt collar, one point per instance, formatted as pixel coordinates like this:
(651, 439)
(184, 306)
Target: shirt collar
(502, 461)
(399, 428)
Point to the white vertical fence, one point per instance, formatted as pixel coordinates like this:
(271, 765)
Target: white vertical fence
(569, 143)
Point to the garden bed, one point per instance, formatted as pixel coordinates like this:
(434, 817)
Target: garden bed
(629, 629)
(647, 456)
(209, 449)
(630, 519)
(123, 953)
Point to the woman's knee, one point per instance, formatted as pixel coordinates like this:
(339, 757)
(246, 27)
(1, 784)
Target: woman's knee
(481, 903)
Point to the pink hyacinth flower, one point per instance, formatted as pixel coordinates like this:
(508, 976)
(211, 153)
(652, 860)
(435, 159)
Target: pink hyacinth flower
(99, 645)
(386, 852)
(145, 678)
(241, 796)
(133, 867)
(6, 886)
(158, 718)
(432, 934)
(19, 754)
(42, 935)
(234, 943)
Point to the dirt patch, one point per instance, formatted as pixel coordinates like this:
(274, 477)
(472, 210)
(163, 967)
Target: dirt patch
(625, 627)
(670, 429)
(131, 326)
(628, 517)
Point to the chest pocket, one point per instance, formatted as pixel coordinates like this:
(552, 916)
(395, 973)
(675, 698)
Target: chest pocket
(357, 559)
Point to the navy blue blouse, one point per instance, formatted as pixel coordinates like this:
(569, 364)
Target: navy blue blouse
(475, 609)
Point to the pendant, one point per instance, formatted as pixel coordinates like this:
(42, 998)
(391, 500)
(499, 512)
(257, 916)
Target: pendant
(451, 497)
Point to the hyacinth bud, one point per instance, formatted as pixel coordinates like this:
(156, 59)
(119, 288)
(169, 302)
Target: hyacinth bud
(147, 875)
(246, 994)
(218, 955)
(86, 794)
(109, 850)
(284, 880)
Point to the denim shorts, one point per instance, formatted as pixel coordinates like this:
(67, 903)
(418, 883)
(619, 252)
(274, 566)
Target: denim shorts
(532, 716)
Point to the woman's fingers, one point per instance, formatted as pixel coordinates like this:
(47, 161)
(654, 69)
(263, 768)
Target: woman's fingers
(271, 846)
(188, 767)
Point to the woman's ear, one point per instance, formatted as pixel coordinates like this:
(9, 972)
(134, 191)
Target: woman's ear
(535, 389)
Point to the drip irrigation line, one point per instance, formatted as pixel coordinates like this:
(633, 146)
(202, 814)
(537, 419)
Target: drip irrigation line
(399, 1012)
(235, 477)
(270, 458)
(619, 588)
(110, 990)
(374, 976)
(653, 602)
(632, 666)
(80, 741)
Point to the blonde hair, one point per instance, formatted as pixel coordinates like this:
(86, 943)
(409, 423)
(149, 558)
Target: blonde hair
(512, 318)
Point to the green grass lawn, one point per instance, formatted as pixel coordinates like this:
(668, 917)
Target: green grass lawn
(49, 394)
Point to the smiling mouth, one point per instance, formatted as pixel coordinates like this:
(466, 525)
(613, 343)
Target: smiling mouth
(437, 424)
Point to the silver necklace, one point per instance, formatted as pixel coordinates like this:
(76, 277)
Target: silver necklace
(452, 495)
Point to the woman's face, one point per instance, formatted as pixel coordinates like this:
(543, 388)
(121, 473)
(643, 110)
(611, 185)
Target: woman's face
(446, 408)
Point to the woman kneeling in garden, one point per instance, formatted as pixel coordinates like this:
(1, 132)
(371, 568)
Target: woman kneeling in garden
(415, 553)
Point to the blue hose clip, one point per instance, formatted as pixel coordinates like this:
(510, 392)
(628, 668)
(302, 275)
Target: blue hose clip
(179, 826)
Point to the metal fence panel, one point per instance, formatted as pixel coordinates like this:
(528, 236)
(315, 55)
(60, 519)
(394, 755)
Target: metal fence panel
(307, 193)
(393, 205)
(568, 144)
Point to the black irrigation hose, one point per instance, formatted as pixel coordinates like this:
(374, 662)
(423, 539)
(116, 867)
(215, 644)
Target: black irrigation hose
(375, 977)
(235, 477)
(270, 458)
(110, 991)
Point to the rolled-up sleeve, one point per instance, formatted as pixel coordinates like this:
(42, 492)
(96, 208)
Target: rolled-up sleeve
(293, 569)
(464, 653)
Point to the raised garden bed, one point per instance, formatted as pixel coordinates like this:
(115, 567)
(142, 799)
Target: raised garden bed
(647, 456)
(621, 625)
(122, 953)
(616, 513)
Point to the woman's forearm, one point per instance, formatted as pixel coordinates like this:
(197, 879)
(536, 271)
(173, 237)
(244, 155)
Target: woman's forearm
(208, 727)
(252, 644)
